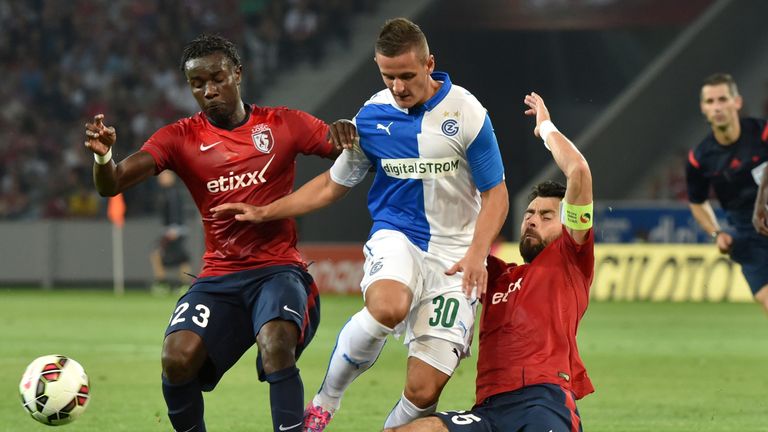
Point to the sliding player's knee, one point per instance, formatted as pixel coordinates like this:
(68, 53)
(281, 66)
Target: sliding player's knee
(426, 424)
(277, 344)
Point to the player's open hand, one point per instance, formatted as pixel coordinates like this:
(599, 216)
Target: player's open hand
(536, 108)
(240, 211)
(99, 138)
(344, 134)
(760, 219)
(475, 275)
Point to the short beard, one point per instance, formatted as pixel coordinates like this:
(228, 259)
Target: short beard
(529, 251)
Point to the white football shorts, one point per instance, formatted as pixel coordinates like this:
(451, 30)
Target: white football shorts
(439, 309)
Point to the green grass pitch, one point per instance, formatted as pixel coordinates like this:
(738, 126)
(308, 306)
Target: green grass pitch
(656, 366)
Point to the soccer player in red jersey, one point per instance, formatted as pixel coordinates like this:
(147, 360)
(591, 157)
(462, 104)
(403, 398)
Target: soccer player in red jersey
(529, 373)
(253, 286)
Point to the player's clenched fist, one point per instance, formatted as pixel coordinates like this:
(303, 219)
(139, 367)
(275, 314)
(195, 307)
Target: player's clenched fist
(99, 138)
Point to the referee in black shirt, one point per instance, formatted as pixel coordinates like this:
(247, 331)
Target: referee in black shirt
(731, 160)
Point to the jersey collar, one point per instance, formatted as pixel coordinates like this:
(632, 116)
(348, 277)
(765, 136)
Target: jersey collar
(247, 117)
(431, 102)
(441, 92)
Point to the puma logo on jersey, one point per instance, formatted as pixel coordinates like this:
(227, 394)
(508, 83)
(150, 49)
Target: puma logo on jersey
(238, 181)
(502, 297)
(384, 128)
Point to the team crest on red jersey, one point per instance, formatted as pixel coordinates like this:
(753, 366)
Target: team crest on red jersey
(262, 138)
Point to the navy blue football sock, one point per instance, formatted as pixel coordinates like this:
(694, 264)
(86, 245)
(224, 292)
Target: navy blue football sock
(185, 405)
(286, 395)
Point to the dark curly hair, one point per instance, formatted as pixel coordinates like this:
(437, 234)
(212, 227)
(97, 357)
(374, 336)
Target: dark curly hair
(207, 44)
(547, 189)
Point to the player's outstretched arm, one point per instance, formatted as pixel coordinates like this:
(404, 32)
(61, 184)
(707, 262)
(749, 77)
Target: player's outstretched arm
(568, 158)
(760, 216)
(111, 178)
(315, 194)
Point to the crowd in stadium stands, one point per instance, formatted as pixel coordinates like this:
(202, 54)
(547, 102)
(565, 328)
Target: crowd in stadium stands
(64, 61)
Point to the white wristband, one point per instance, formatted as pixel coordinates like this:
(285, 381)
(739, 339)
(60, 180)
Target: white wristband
(103, 160)
(545, 128)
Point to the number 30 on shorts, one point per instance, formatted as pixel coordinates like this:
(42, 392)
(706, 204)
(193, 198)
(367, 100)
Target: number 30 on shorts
(200, 318)
(445, 311)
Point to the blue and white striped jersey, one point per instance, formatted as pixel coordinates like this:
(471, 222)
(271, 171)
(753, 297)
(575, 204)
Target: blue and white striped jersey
(431, 163)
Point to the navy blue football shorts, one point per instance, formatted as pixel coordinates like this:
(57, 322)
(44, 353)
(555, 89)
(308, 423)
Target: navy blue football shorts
(544, 407)
(750, 250)
(228, 311)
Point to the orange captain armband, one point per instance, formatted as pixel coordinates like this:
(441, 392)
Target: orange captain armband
(577, 217)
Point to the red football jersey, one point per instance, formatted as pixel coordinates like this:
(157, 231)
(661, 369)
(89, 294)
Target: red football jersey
(530, 316)
(253, 163)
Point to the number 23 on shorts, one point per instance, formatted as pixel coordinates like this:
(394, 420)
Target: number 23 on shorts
(200, 317)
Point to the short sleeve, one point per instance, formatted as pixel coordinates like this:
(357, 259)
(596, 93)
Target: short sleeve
(162, 146)
(311, 134)
(583, 254)
(484, 158)
(698, 185)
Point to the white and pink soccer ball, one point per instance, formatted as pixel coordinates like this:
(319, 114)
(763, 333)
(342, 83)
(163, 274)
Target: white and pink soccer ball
(54, 390)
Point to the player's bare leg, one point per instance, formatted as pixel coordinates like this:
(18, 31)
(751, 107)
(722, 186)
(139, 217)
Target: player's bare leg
(387, 303)
(427, 424)
(183, 356)
(762, 297)
(424, 383)
(423, 387)
(277, 342)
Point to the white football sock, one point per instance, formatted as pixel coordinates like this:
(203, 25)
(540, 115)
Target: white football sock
(357, 348)
(405, 412)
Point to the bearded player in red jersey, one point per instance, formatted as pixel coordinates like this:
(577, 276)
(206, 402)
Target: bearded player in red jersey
(254, 286)
(529, 372)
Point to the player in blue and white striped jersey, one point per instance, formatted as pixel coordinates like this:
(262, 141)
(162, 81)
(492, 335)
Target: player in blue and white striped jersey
(437, 202)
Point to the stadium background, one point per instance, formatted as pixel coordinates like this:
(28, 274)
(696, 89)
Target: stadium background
(621, 78)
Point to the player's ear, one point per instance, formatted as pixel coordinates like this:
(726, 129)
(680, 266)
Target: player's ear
(430, 63)
(238, 73)
(738, 101)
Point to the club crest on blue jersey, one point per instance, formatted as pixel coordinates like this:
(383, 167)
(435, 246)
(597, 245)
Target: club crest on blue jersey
(262, 138)
(450, 127)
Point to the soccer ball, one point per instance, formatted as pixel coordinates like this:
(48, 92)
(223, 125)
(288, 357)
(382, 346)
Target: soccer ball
(54, 390)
